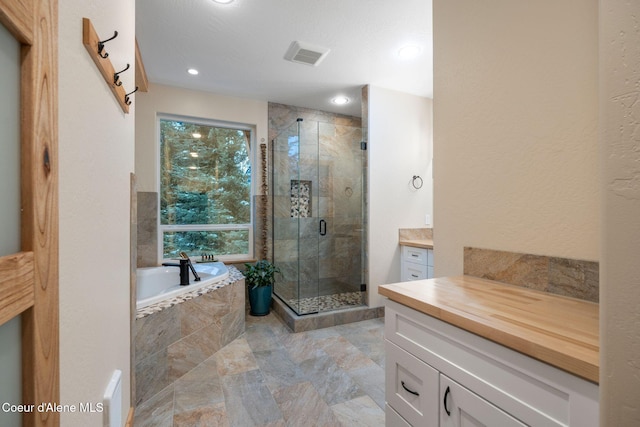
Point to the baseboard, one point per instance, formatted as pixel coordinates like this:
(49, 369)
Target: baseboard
(129, 422)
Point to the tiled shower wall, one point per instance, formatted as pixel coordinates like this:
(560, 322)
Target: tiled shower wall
(562, 276)
(337, 195)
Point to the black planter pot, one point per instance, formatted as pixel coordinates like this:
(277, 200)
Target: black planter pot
(260, 300)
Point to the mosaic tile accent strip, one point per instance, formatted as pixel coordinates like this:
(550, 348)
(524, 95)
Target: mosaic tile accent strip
(300, 199)
(560, 276)
(327, 302)
(234, 276)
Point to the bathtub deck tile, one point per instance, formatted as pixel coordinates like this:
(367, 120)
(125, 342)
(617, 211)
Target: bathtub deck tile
(232, 326)
(154, 333)
(152, 375)
(237, 296)
(234, 276)
(195, 314)
(192, 350)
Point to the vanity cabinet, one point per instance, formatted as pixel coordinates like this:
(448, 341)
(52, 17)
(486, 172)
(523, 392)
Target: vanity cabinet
(438, 374)
(416, 263)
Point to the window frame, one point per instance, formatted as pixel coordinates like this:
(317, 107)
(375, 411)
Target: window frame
(163, 228)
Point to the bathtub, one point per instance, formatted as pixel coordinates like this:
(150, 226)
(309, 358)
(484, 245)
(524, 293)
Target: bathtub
(155, 284)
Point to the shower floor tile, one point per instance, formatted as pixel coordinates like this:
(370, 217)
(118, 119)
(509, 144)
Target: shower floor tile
(326, 302)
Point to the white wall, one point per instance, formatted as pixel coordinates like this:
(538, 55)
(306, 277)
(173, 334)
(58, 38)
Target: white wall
(399, 147)
(515, 129)
(96, 157)
(620, 183)
(184, 102)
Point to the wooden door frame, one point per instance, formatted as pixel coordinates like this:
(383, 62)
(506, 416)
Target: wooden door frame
(29, 279)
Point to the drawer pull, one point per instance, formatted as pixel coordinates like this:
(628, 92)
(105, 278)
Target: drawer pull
(446, 393)
(415, 255)
(413, 275)
(409, 390)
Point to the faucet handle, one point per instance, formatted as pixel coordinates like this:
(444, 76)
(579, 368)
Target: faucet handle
(184, 255)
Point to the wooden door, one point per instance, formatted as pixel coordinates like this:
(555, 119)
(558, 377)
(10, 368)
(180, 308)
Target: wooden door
(29, 278)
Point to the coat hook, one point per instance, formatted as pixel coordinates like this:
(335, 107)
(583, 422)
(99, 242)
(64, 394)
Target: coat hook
(126, 97)
(116, 77)
(101, 45)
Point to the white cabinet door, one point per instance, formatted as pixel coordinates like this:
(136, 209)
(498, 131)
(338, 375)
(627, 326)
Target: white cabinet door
(460, 407)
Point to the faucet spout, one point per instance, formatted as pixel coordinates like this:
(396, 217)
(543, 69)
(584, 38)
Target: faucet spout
(184, 270)
(184, 256)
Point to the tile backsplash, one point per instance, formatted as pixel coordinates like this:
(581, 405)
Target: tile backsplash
(561, 276)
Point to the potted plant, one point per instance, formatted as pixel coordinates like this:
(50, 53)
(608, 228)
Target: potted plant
(260, 278)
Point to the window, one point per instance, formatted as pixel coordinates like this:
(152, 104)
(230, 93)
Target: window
(205, 189)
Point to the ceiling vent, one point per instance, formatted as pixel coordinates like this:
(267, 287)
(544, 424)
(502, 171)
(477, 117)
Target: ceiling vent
(304, 53)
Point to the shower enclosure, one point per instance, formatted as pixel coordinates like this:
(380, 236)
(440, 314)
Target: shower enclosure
(318, 174)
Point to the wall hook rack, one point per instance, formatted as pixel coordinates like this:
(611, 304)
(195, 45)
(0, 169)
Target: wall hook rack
(101, 45)
(116, 77)
(95, 48)
(126, 97)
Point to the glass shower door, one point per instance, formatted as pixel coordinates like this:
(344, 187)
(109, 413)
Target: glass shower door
(318, 216)
(340, 212)
(285, 240)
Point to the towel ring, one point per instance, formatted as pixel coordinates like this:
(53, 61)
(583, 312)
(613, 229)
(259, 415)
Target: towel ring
(413, 182)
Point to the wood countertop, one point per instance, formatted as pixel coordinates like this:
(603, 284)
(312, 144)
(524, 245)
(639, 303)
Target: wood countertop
(417, 243)
(561, 331)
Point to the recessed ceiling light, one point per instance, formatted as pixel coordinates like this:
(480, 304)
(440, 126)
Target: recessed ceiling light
(340, 100)
(223, 1)
(409, 51)
(192, 71)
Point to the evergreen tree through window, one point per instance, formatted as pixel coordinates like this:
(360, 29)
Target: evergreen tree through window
(205, 189)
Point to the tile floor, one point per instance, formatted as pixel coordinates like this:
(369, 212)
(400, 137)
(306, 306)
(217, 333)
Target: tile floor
(270, 376)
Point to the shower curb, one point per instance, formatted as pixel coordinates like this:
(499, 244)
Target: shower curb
(309, 322)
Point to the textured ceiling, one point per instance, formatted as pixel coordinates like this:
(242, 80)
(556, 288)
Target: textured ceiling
(239, 47)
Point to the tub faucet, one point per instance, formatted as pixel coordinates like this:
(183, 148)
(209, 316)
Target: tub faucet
(184, 265)
(183, 256)
(184, 270)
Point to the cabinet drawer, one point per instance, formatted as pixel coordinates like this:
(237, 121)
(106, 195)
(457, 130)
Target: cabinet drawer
(411, 387)
(413, 271)
(417, 255)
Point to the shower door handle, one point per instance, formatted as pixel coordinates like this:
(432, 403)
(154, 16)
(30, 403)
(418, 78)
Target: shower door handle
(323, 227)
